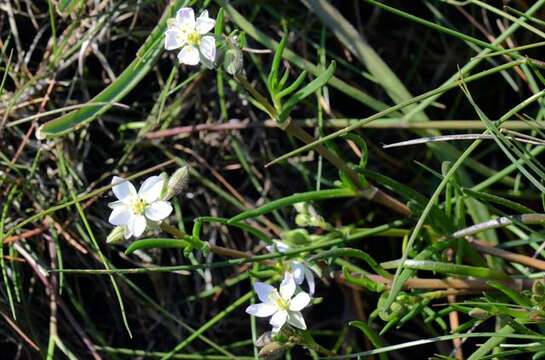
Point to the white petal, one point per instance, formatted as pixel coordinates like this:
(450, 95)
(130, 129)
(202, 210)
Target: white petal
(123, 189)
(275, 330)
(296, 319)
(137, 225)
(270, 248)
(281, 246)
(189, 55)
(186, 17)
(207, 48)
(263, 291)
(204, 24)
(173, 40)
(128, 232)
(298, 271)
(287, 286)
(158, 210)
(120, 215)
(172, 23)
(279, 319)
(309, 276)
(299, 302)
(114, 204)
(262, 310)
(150, 190)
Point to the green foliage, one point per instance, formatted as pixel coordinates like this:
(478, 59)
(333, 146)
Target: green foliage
(439, 237)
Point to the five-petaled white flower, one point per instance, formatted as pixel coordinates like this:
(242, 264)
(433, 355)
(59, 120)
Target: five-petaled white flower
(132, 209)
(300, 269)
(188, 33)
(281, 305)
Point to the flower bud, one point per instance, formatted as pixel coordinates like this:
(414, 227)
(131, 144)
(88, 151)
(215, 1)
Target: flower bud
(272, 351)
(117, 235)
(538, 288)
(297, 237)
(302, 220)
(480, 314)
(177, 182)
(233, 61)
(307, 215)
(264, 339)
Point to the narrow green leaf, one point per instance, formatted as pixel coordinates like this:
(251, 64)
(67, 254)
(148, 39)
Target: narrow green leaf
(354, 253)
(272, 80)
(293, 86)
(491, 343)
(484, 196)
(362, 281)
(160, 243)
(507, 146)
(129, 78)
(298, 61)
(292, 199)
(356, 44)
(284, 78)
(447, 268)
(371, 335)
(309, 89)
(517, 298)
(218, 29)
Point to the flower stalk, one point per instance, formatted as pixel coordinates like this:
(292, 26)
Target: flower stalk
(199, 244)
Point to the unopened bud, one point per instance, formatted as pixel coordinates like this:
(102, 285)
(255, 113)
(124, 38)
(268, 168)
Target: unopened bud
(296, 237)
(538, 288)
(480, 314)
(264, 339)
(307, 215)
(300, 207)
(117, 235)
(302, 220)
(177, 182)
(272, 350)
(233, 61)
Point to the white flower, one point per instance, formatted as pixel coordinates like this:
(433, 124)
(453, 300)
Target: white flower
(188, 33)
(281, 305)
(281, 246)
(300, 269)
(132, 209)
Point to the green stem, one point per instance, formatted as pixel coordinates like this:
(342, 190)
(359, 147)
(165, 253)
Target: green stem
(257, 95)
(239, 261)
(219, 250)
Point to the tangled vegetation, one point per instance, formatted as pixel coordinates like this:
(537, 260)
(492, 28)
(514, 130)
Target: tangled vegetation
(272, 179)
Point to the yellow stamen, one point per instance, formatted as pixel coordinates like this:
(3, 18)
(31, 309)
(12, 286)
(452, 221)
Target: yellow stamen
(138, 206)
(193, 38)
(279, 301)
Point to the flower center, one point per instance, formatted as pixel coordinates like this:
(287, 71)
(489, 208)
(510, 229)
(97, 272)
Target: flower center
(138, 206)
(281, 303)
(193, 38)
